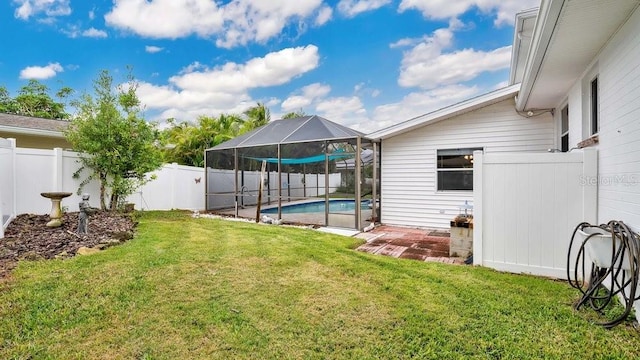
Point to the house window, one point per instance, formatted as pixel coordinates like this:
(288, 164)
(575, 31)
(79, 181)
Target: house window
(595, 107)
(455, 169)
(564, 129)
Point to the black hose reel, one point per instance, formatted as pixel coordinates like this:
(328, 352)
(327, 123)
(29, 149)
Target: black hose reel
(614, 251)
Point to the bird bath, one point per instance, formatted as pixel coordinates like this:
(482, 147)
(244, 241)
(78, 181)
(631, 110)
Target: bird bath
(56, 211)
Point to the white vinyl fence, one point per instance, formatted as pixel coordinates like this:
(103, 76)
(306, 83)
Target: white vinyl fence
(7, 198)
(526, 206)
(25, 173)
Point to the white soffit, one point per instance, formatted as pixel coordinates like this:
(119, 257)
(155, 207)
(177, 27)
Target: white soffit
(582, 29)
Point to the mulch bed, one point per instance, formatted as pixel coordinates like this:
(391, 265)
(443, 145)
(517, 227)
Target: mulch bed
(28, 238)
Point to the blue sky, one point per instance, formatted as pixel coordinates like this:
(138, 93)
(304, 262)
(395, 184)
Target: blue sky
(366, 64)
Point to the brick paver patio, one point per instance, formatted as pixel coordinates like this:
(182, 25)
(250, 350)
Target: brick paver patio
(408, 243)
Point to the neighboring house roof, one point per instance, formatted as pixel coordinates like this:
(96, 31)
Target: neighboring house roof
(566, 38)
(302, 129)
(447, 112)
(27, 125)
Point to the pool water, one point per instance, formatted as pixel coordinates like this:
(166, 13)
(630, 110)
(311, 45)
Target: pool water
(318, 207)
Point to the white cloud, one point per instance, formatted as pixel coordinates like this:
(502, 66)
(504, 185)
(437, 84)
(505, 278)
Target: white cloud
(260, 21)
(74, 31)
(309, 94)
(41, 72)
(427, 65)
(420, 103)
(50, 8)
(504, 10)
(324, 15)
(350, 111)
(452, 68)
(92, 14)
(198, 90)
(351, 8)
(296, 102)
(347, 111)
(274, 69)
(166, 18)
(193, 67)
(236, 23)
(405, 43)
(94, 33)
(152, 49)
(362, 89)
(316, 90)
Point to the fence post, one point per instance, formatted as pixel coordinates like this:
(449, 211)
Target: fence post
(174, 171)
(590, 188)
(14, 185)
(57, 169)
(11, 209)
(477, 206)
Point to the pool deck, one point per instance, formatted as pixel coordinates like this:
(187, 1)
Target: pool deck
(430, 245)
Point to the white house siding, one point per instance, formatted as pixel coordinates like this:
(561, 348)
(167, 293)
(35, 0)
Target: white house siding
(408, 193)
(619, 136)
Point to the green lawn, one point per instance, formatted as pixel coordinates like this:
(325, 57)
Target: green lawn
(211, 289)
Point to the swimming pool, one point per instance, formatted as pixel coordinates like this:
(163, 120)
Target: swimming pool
(318, 207)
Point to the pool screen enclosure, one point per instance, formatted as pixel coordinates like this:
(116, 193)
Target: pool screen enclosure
(306, 159)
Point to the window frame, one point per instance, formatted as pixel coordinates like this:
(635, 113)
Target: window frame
(441, 170)
(591, 102)
(564, 133)
(594, 106)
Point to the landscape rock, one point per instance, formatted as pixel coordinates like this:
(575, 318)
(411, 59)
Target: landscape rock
(83, 250)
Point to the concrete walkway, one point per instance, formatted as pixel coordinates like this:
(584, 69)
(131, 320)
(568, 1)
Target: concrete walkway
(408, 243)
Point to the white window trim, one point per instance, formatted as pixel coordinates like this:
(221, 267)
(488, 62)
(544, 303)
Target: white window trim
(437, 170)
(561, 134)
(592, 74)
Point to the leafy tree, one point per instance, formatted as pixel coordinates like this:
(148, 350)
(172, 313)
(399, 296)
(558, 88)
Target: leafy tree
(7, 104)
(294, 114)
(256, 116)
(34, 100)
(114, 141)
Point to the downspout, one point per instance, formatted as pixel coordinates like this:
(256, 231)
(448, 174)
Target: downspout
(374, 186)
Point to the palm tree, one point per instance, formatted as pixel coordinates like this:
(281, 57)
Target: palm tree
(256, 116)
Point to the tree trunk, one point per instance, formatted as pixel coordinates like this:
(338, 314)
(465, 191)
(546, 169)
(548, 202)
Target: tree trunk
(103, 204)
(113, 205)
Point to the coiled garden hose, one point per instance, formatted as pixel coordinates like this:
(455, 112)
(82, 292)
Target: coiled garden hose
(612, 275)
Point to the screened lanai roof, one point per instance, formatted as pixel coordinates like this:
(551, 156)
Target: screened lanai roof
(302, 129)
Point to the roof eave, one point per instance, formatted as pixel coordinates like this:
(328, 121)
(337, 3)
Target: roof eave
(445, 113)
(545, 25)
(33, 132)
(521, 17)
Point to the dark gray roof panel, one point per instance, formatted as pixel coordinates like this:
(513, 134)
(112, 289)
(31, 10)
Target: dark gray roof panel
(28, 122)
(302, 129)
